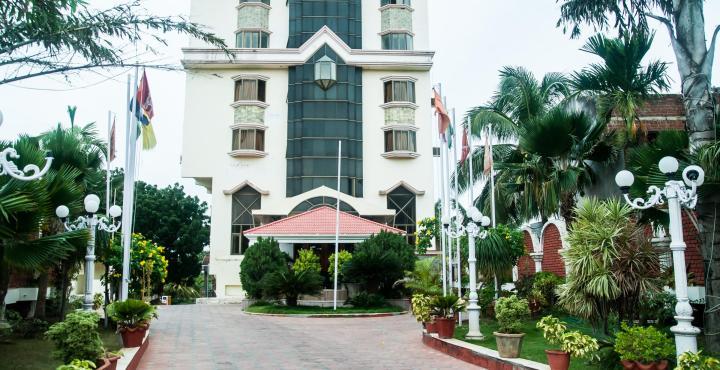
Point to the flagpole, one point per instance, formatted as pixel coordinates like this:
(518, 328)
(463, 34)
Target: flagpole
(446, 183)
(457, 203)
(443, 195)
(129, 185)
(337, 227)
(107, 174)
(492, 177)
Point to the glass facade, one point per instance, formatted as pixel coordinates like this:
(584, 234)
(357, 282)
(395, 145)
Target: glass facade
(402, 201)
(397, 41)
(317, 119)
(243, 202)
(344, 17)
(251, 39)
(395, 2)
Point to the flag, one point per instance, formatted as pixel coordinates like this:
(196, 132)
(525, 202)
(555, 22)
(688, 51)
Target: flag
(111, 145)
(443, 117)
(450, 136)
(144, 112)
(465, 146)
(488, 155)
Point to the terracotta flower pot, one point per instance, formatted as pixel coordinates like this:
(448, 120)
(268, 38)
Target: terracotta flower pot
(558, 360)
(629, 365)
(445, 327)
(113, 362)
(133, 337)
(662, 365)
(642, 366)
(431, 327)
(508, 345)
(102, 364)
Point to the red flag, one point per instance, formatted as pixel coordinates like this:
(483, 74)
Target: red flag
(465, 147)
(111, 148)
(443, 117)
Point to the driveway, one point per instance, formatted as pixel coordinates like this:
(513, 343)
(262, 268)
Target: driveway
(209, 337)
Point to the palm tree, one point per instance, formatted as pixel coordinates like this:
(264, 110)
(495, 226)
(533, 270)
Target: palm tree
(621, 84)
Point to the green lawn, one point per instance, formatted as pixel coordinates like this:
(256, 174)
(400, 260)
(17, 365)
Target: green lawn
(534, 345)
(309, 310)
(33, 354)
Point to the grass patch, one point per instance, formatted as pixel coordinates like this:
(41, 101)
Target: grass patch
(534, 345)
(32, 354)
(310, 310)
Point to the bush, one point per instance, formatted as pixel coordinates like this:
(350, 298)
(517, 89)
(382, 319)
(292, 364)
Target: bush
(131, 313)
(30, 328)
(261, 303)
(659, 307)
(290, 284)
(367, 300)
(696, 361)
(643, 344)
(307, 260)
(510, 313)
(379, 261)
(76, 337)
(539, 288)
(573, 342)
(260, 259)
(421, 307)
(181, 293)
(78, 365)
(447, 306)
(343, 258)
(424, 278)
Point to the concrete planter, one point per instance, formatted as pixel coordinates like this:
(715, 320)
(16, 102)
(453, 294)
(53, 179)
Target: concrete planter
(508, 345)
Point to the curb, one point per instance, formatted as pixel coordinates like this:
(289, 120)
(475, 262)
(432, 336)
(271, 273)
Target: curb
(330, 315)
(132, 356)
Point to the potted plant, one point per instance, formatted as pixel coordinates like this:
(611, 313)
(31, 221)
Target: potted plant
(133, 319)
(510, 313)
(571, 343)
(643, 348)
(420, 305)
(444, 309)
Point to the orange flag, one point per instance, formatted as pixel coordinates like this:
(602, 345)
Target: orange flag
(443, 117)
(465, 147)
(488, 155)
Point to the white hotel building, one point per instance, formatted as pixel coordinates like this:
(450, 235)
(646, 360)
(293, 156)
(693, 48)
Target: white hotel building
(262, 124)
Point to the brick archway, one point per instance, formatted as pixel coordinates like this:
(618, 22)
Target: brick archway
(526, 265)
(552, 244)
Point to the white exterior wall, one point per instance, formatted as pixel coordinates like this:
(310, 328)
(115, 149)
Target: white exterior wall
(207, 136)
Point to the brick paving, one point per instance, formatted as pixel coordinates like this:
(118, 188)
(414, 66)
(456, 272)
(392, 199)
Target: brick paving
(210, 337)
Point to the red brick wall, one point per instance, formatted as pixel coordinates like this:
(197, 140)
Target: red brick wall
(552, 261)
(20, 279)
(693, 253)
(526, 265)
(665, 112)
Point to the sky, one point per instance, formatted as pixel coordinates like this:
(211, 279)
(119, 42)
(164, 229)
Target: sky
(472, 40)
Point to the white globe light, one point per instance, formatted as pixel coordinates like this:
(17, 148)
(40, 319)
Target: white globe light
(694, 174)
(485, 221)
(445, 219)
(475, 214)
(62, 211)
(92, 203)
(668, 165)
(115, 211)
(624, 179)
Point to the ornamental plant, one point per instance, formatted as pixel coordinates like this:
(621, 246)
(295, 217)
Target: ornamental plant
(307, 260)
(643, 344)
(132, 313)
(576, 344)
(260, 259)
(148, 266)
(343, 257)
(291, 284)
(446, 306)
(421, 307)
(427, 230)
(696, 361)
(78, 365)
(510, 313)
(76, 337)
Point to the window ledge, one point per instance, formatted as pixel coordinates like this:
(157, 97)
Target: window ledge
(257, 126)
(247, 153)
(401, 154)
(255, 103)
(399, 104)
(253, 29)
(396, 6)
(387, 32)
(400, 126)
(253, 3)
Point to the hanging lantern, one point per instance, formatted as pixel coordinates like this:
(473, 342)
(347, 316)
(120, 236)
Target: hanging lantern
(325, 72)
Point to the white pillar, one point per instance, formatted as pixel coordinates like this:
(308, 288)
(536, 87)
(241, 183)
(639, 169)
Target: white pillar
(537, 257)
(90, 265)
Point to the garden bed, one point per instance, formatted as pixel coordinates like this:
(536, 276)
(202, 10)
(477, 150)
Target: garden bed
(323, 311)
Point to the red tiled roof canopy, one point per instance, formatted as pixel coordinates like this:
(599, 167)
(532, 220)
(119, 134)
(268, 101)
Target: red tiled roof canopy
(321, 221)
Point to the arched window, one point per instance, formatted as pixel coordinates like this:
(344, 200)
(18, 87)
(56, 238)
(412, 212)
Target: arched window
(316, 202)
(402, 201)
(243, 202)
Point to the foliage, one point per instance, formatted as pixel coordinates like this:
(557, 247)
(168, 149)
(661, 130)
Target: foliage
(131, 313)
(30, 328)
(308, 260)
(540, 288)
(428, 229)
(510, 312)
(76, 337)
(573, 342)
(367, 300)
(658, 307)
(343, 258)
(497, 253)
(447, 306)
(379, 261)
(643, 344)
(424, 278)
(261, 258)
(421, 306)
(98, 301)
(611, 263)
(290, 284)
(51, 37)
(78, 365)
(181, 293)
(696, 361)
(148, 265)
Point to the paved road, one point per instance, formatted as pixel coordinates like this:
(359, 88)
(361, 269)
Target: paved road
(210, 337)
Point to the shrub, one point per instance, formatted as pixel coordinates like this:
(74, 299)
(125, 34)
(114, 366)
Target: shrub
(447, 306)
(510, 313)
(421, 307)
(643, 344)
(30, 328)
(573, 342)
(696, 361)
(261, 303)
(307, 260)
(428, 229)
(424, 278)
(659, 307)
(78, 365)
(98, 301)
(181, 293)
(343, 258)
(131, 313)
(76, 337)
(261, 258)
(367, 300)
(290, 284)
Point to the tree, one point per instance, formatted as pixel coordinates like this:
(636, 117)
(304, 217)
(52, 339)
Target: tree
(260, 259)
(148, 265)
(43, 37)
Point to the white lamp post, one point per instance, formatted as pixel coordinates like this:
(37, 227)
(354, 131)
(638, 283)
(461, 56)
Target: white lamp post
(91, 222)
(473, 230)
(678, 194)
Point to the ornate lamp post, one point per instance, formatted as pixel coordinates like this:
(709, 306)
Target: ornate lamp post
(91, 222)
(473, 230)
(678, 194)
(30, 172)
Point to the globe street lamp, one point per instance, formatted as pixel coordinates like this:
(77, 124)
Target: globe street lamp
(91, 222)
(30, 172)
(678, 194)
(473, 230)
